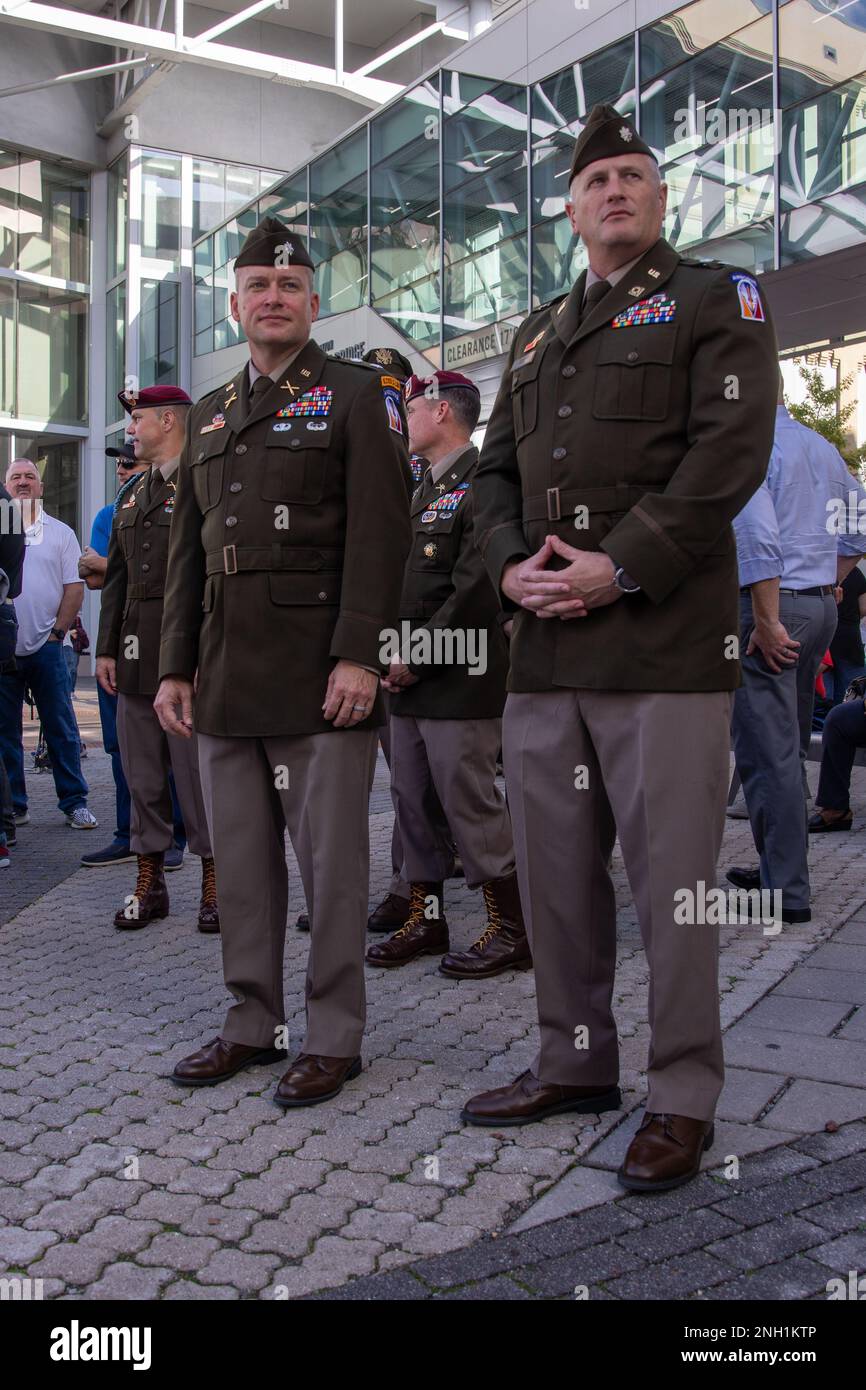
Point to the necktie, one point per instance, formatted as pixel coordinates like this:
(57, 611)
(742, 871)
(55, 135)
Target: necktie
(258, 389)
(594, 295)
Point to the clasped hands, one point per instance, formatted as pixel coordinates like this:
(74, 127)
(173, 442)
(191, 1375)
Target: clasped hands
(585, 583)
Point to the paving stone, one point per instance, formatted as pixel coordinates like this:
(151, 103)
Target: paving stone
(754, 1207)
(808, 1106)
(168, 1208)
(220, 1222)
(394, 1287)
(838, 956)
(809, 982)
(77, 1264)
(841, 1176)
(843, 1254)
(747, 1093)
(759, 1169)
(767, 1244)
(785, 1012)
(500, 1289)
(677, 1278)
(794, 1278)
(18, 1247)
(130, 1283)
(692, 1231)
(598, 1263)
(849, 1139)
(840, 1214)
(174, 1251)
(238, 1269)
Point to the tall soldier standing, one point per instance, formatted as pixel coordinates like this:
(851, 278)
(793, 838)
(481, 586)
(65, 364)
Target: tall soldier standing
(127, 662)
(634, 420)
(289, 538)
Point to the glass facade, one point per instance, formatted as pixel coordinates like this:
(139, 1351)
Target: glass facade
(444, 212)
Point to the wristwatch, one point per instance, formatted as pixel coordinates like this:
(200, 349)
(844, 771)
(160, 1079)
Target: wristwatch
(59, 633)
(624, 582)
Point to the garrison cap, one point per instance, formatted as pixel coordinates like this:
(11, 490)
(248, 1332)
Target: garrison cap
(125, 452)
(445, 381)
(153, 396)
(605, 134)
(393, 361)
(271, 243)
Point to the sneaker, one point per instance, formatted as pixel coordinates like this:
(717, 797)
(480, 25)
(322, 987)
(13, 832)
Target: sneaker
(116, 853)
(4, 857)
(22, 817)
(738, 810)
(173, 858)
(81, 819)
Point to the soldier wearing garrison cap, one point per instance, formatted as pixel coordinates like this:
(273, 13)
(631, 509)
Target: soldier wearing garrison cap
(127, 661)
(288, 542)
(634, 420)
(447, 684)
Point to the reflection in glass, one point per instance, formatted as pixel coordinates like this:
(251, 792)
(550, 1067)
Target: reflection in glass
(821, 44)
(485, 210)
(710, 120)
(115, 350)
(338, 225)
(8, 208)
(7, 347)
(158, 342)
(117, 217)
(160, 207)
(59, 469)
(52, 354)
(404, 203)
(824, 146)
(693, 28)
(52, 220)
(820, 228)
(288, 202)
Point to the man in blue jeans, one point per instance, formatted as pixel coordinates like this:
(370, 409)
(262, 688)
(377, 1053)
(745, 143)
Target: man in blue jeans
(92, 567)
(50, 598)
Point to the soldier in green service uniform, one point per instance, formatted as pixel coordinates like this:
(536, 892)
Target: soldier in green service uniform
(288, 542)
(634, 420)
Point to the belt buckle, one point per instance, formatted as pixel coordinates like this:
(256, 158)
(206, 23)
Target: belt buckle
(553, 501)
(230, 553)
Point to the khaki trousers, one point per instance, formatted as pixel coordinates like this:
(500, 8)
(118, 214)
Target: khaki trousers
(147, 753)
(398, 885)
(319, 787)
(449, 763)
(581, 765)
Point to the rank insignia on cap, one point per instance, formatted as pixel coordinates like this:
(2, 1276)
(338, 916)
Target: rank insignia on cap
(626, 134)
(429, 516)
(314, 402)
(750, 298)
(657, 309)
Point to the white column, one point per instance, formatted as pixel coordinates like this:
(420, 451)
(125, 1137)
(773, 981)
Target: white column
(92, 491)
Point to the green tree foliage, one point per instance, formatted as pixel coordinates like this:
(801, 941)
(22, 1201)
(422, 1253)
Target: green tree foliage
(824, 412)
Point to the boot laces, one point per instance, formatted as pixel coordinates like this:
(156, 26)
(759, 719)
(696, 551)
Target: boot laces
(417, 903)
(208, 881)
(146, 876)
(494, 922)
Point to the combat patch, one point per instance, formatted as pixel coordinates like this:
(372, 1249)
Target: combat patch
(749, 297)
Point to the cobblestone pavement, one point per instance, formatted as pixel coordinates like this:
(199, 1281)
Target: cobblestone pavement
(114, 1183)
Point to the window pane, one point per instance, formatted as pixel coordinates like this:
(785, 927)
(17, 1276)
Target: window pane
(485, 210)
(715, 144)
(158, 342)
(338, 224)
(404, 195)
(820, 45)
(117, 217)
(288, 202)
(58, 465)
(819, 228)
(8, 208)
(160, 207)
(52, 221)
(7, 347)
(52, 354)
(693, 28)
(824, 145)
(208, 195)
(115, 349)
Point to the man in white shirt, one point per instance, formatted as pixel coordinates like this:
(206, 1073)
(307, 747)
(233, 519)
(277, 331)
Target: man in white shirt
(50, 598)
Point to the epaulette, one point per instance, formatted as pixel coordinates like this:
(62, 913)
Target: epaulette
(353, 362)
(706, 265)
(549, 303)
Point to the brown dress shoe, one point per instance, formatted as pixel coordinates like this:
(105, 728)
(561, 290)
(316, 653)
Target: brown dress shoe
(220, 1059)
(502, 945)
(310, 1080)
(391, 913)
(528, 1099)
(150, 899)
(208, 911)
(424, 933)
(665, 1152)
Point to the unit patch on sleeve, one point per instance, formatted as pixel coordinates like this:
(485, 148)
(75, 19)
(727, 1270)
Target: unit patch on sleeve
(749, 297)
(659, 308)
(392, 399)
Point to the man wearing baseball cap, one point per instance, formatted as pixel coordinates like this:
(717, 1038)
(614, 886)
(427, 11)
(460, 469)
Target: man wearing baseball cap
(634, 420)
(447, 687)
(127, 657)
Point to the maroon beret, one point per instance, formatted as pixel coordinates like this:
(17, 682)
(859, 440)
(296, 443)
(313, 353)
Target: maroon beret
(432, 386)
(153, 395)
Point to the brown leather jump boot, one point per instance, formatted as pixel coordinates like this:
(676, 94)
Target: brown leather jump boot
(502, 945)
(424, 933)
(208, 910)
(150, 899)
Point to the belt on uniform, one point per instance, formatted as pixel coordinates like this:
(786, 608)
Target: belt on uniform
(146, 588)
(233, 559)
(558, 502)
(817, 591)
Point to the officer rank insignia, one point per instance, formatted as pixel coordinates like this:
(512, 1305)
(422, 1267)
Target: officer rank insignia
(447, 504)
(657, 309)
(750, 299)
(316, 401)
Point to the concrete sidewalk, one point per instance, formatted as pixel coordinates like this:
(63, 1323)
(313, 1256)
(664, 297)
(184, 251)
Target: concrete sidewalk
(114, 1183)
